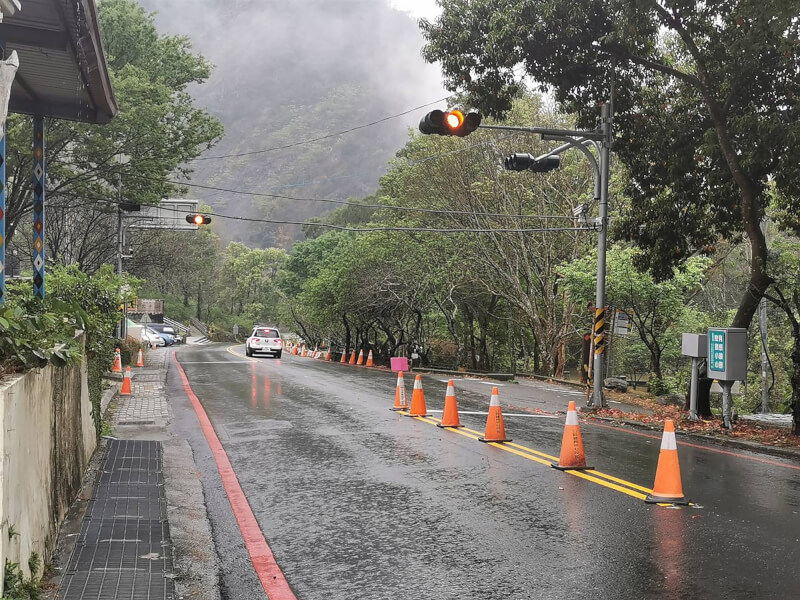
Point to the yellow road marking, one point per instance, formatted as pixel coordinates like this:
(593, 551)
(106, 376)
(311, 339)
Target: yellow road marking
(597, 477)
(231, 350)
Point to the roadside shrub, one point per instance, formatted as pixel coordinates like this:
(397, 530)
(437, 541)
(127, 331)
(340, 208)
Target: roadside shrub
(35, 332)
(128, 350)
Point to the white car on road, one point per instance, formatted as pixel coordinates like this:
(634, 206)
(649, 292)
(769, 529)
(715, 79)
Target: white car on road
(264, 339)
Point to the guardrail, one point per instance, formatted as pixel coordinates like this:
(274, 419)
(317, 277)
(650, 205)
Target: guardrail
(198, 324)
(178, 326)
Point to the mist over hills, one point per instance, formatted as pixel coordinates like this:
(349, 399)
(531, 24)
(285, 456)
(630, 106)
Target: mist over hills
(291, 71)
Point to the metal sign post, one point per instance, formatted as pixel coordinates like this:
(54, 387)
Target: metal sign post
(696, 346)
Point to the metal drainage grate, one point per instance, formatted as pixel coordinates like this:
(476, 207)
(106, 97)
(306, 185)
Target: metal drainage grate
(124, 548)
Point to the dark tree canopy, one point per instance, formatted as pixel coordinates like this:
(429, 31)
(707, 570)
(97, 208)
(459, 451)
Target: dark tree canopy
(706, 104)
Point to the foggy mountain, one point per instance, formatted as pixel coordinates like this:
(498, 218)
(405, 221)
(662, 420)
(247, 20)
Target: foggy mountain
(287, 71)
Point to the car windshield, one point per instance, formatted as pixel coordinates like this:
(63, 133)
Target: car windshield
(266, 333)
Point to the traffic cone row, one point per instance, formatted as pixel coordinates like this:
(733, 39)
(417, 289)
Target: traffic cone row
(572, 455)
(495, 429)
(400, 402)
(666, 489)
(418, 408)
(116, 366)
(667, 486)
(355, 358)
(450, 415)
(126, 383)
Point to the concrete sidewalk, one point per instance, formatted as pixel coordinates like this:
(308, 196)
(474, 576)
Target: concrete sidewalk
(146, 516)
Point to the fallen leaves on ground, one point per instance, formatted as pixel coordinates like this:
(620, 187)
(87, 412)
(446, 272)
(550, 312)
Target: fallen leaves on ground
(743, 430)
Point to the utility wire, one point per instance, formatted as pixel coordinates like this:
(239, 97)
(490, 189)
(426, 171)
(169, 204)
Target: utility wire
(322, 137)
(374, 206)
(371, 229)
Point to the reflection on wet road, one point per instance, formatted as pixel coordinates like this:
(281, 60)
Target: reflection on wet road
(359, 502)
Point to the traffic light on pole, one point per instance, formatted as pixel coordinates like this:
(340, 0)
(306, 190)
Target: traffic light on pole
(198, 219)
(527, 162)
(451, 122)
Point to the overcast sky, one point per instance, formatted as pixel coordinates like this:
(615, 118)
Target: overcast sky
(374, 42)
(288, 70)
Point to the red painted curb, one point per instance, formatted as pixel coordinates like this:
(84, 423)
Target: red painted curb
(268, 571)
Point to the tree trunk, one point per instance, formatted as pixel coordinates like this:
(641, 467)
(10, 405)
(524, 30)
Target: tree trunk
(199, 302)
(346, 333)
(795, 379)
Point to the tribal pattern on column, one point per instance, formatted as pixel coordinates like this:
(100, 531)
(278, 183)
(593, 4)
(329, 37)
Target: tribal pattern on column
(39, 179)
(3, 216)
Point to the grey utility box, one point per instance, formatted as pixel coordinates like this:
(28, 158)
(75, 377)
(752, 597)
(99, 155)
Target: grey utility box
(694, 345)
(727, 353)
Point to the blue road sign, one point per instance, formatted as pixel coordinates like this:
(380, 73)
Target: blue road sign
(716, 350)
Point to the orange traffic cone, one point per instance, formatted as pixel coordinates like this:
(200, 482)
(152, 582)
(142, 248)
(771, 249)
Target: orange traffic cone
(369, 359)
(667, 487)
(360, 357)
(353, 357)
(450, 416)
(294, 350)
(572, 456)
(495, 430)
(140, 359)
(344, 356)
(126, 383)
(116, 366)
(400, 402)
(328, 355)
(418, 408)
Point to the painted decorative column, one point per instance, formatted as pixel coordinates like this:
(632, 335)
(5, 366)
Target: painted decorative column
(8, 69)
(39, 179)
(3, 216)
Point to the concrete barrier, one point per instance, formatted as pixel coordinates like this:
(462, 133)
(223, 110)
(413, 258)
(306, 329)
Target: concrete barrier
(47, 437)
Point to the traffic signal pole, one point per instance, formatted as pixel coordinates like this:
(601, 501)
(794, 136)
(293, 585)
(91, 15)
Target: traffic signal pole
(436, 122)
(602, 142)
(597, 398)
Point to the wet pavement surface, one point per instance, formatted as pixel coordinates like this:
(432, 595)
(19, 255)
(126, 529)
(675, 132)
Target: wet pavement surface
(359, 502)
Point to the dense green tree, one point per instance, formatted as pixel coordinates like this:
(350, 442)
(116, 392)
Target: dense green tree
(706, 106)
(655, 306)
(785, 294)
(157, 131)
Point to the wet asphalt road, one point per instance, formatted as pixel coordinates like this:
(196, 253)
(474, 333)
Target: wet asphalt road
(358, 502)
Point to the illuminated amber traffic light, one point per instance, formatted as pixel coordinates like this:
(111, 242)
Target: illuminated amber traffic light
(198, 219)
(452, 122)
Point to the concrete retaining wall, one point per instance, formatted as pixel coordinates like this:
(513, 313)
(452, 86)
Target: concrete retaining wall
(46, 439)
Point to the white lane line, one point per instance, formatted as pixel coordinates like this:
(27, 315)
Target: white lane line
(213, 362)
(468, 412)
(492, 383)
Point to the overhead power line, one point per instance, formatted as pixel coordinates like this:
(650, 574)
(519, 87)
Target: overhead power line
(411, 209)
(322, 137)
(379, 228)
